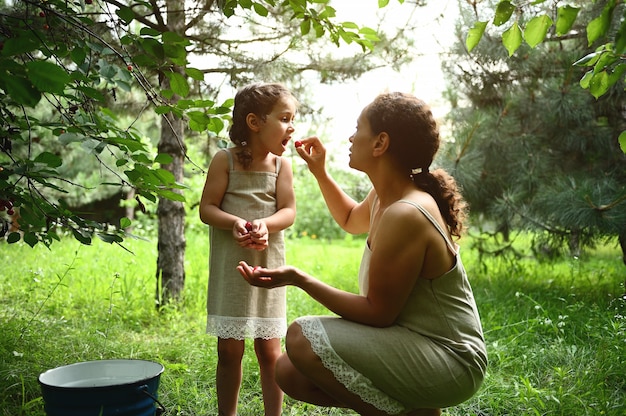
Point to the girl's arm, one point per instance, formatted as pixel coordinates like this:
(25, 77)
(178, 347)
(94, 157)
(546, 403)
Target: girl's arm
(285, 213)
(352, 216)
(213, 194)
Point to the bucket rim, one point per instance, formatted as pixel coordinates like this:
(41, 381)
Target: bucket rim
(155, 373)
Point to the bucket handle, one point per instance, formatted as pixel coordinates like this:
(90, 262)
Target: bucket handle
(161, 409)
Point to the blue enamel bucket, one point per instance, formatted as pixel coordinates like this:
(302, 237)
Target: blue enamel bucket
(102, 388)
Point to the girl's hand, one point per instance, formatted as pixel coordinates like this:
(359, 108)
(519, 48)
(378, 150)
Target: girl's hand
(268, 278)
(314, 154)
(253, 235)
(259, 235)
(241, 234)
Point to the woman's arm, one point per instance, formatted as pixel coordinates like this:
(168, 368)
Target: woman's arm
(352, 216)
(397, 258)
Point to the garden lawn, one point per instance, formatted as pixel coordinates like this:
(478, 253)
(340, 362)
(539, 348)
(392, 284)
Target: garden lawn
(555, 332)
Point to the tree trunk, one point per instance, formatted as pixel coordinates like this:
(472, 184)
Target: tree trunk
(170, 272)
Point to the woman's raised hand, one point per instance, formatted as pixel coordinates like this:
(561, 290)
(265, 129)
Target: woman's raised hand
(314, 154)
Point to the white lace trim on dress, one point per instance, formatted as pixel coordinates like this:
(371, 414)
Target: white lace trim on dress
(354, 381)
(244, 327)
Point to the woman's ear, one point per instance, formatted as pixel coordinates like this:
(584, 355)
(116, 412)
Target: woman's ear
(381, 144)
(253, 122)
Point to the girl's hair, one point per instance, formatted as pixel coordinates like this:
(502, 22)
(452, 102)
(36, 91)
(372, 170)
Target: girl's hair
(259, 99)
(414, 142)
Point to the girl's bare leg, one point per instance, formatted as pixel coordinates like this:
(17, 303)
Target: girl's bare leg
(228, 378)
(267, 352)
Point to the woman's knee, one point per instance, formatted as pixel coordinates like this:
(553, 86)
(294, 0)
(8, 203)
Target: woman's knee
(296, 344)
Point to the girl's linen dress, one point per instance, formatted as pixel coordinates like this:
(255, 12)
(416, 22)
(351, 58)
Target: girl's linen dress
(236, 309)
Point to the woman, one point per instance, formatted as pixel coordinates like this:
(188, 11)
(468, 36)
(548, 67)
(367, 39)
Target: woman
(411, 341)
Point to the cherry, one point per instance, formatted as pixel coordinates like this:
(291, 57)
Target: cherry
(249, 226)
(42, 14)
(129, 67)
(297, 143)
(88, 1)
(10, 211)
(46, 27)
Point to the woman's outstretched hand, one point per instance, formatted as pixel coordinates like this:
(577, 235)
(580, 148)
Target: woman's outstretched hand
(268, 278)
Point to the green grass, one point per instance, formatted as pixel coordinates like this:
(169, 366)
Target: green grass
(556, 332)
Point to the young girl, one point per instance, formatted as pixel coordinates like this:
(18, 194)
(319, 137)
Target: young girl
(248, 200)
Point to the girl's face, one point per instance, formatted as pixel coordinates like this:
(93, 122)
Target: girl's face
(276, 130)
(361, 141)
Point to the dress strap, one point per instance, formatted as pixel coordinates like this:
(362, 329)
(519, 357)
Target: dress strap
(451, 246)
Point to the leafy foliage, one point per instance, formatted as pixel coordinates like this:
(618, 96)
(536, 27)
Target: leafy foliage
(549, 21)
(534, 151)
(63, 70)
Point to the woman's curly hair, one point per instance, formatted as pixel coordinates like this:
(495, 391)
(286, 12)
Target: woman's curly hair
(415, 140)
(259, 99)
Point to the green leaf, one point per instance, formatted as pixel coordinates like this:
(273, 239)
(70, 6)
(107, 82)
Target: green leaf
(215, 125)
(319, 29)
(503, 12)
(474, 35)
(126, 14)
(537, 29)
(599, 26)
(622, 141)
(22, 42)
(110, 238)
(260, 10)
(30, 239)
(566, 16)
(369, 34)
(163, 158)
(162, 109)
(80, 235)
(382, 3)
(148, 31)
(512, 38)
(15, 237)
(586, 80)
(178, 83)
(171, 195)
(22, 91)
(176, 53)
(588, 60)
(194, 73)
(78, 55)
(173, 37)
(49, 159)
(599, 84)
(305, 27)
(47, 77)
(125, 222)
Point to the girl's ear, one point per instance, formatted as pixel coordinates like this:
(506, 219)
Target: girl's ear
(253, 122)
(381, 144)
